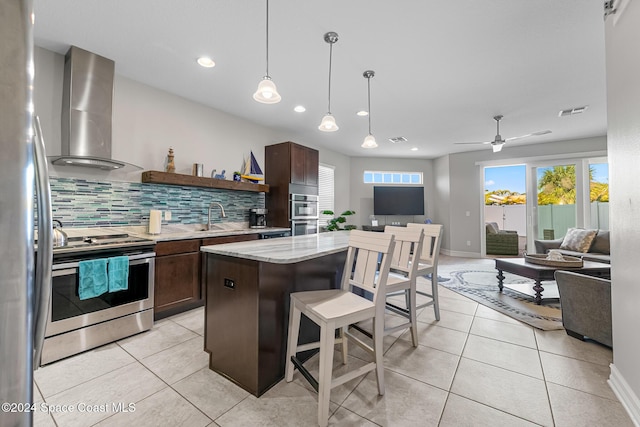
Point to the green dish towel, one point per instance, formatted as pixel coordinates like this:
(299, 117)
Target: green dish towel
(92, 280)
(118, 273)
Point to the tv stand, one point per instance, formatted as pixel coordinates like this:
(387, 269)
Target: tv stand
(379, 228)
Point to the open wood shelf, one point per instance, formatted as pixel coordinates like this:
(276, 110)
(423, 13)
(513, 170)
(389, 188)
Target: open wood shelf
(157, 177)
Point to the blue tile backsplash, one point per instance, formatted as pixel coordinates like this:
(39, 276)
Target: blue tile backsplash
(85, 203)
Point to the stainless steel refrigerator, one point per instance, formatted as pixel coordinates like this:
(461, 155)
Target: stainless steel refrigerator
(24, 286)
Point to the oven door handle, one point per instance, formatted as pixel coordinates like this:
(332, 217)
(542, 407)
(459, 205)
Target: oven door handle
(136, 259)
(64, 272)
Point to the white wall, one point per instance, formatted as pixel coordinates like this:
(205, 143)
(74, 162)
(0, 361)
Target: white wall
(362, 194)
(442, 200)
(148, 121)
(465, 192)
(623, 109)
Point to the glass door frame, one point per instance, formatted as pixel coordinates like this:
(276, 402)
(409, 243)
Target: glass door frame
(581, 164)
(582, 160)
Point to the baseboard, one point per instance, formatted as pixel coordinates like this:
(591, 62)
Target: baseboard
(625, 395)
(460, 253)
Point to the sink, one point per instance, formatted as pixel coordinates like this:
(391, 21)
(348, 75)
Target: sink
(214, 227)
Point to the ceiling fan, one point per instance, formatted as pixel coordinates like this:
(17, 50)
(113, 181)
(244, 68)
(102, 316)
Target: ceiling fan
(498, 142)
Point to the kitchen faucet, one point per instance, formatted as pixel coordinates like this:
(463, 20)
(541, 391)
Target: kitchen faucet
(222, 214)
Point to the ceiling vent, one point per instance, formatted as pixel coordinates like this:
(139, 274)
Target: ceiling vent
(397, 139)
(573, 111)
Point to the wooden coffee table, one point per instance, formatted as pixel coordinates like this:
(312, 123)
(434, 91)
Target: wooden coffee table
(541, 273)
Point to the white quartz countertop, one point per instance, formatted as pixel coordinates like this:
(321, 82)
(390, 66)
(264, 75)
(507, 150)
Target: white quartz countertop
(285, 250)
(195, 231)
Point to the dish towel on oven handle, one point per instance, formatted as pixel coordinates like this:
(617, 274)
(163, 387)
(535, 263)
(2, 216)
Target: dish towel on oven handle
(92, 280)
(118, 273)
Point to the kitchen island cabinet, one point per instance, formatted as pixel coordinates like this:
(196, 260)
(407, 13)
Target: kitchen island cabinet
(247, 304)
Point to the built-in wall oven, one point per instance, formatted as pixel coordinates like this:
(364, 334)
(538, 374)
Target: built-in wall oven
(75, 325)
(303, 214)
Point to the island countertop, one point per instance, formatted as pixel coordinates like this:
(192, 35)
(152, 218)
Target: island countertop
(284, 250)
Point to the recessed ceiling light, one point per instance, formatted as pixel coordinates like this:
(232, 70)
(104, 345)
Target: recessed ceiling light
(206, 62)
(299, 109)
(362, 113)
(414, 149)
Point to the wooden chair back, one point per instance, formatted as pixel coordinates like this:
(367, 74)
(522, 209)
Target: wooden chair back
(408, 249)
(368, 262)
(431, 244)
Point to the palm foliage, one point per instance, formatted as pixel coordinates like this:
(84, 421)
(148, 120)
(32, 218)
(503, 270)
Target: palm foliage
(557, 186)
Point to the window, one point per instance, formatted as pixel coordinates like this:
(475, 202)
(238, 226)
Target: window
(325, 192)
(599, 193)
(392, 177)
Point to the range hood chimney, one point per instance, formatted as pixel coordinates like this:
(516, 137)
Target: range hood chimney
(87, 100)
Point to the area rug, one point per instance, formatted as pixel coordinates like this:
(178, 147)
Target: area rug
(480, 284)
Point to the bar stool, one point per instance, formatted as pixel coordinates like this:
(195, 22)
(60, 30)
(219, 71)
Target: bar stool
(403, 275)
(337, 309)
(429, 262)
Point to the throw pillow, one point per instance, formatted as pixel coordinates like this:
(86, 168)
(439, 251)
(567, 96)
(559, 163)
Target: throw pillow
(601, 243)
(578, 240)
(492, 228)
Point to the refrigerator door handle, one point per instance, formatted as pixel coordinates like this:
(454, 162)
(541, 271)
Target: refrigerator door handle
(44, 257)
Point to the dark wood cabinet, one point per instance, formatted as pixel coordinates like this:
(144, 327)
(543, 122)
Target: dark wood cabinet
(179, 273)
(312, 162)
(304, 165)
(177, 277)
(289, 168)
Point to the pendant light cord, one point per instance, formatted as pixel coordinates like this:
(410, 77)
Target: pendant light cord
(267, 38)
(369, 101)
(330, 56)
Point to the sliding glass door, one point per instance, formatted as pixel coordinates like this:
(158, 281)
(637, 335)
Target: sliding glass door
(560, 194)
(568, 194)
(598, 194)
(557, 197)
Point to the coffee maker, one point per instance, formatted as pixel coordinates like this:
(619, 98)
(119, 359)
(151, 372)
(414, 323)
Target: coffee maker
(257, 218)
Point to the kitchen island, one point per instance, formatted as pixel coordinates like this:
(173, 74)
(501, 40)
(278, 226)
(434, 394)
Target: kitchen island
(179, 264)
(247, 301)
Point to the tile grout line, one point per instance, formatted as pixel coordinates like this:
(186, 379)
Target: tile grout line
(455, 372)
(544, 378)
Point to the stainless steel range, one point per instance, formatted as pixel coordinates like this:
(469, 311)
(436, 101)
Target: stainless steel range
(74, 324)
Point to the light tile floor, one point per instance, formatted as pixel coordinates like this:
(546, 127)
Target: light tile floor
(475, 367)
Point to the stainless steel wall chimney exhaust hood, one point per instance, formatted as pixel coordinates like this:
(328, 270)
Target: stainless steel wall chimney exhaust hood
(87, 101)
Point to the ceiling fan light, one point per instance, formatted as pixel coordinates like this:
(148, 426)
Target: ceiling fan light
(267, 92)
(497, 147)
(328, 124)
(369, 142)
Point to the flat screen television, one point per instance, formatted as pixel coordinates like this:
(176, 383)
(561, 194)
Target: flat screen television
(407, 200)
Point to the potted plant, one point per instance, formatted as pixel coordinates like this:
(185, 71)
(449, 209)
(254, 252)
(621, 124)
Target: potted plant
(334, 224)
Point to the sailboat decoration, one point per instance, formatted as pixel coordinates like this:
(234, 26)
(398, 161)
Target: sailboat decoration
(251, 170)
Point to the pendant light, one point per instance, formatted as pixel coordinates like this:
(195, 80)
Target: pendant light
(369, 140)
(328, 123)
(267, 92)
